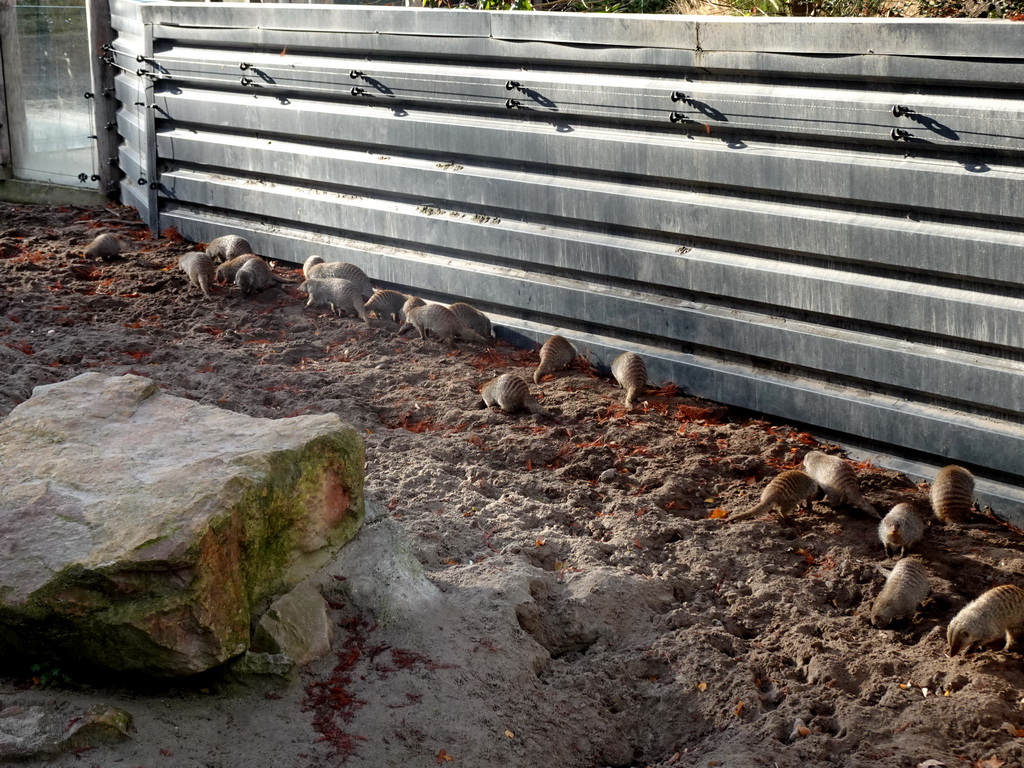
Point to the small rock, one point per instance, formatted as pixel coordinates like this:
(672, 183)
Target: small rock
(297, 625)
(251, 663)
(100, 725)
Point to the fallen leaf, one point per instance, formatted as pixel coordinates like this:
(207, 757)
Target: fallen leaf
(443, 757)
(992, 762)
(559, 565)
(810, 561)
(510, 735)
(702, 687)
(539, 543)
(529, 465)
(718, 513)
(739, 708)
(1014, 731)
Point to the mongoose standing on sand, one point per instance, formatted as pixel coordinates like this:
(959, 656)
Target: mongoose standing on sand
(227, 247)
(439, 321)
(630, 372)
(783, 494)
(995, 615)
(472, 318)
(345, 271)
(556, 353)
(411, 302)
(103, 247)
(953, 494)
(227, 271)
(837, 479)
(343, 296)
(510, 393)
(386, 303)
(198, 266)
(256, 275)
(901, 528)
(905, 588)
(309, 263)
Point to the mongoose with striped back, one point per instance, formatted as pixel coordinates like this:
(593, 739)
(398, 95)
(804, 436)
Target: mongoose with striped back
(902, 527)
(226, 272)
(998, 614)
(345, 271)
(387, 303)
(439, 321)
(343, 296)
(953, 494)
(198, 266)
(556, 353)
(309, 263)
(411, 302)
(227, 247)
(630, 371)
(256, 275)
(837, 479)
(510, 393)
(103, 247)
(783, 494)
(906, 587)
(471, 317)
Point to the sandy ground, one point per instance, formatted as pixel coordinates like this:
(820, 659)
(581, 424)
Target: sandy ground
(584, 605)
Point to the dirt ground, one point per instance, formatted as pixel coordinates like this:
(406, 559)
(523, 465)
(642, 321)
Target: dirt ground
(586, 603)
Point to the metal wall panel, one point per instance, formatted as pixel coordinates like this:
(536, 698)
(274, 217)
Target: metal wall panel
(835, 240)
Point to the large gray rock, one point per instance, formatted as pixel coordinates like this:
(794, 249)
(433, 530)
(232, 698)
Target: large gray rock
(140, 531)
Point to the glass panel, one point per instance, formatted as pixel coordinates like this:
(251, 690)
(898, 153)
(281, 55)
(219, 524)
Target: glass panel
(46, 71)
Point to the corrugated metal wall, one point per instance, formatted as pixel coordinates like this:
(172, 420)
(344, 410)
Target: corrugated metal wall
(815, 219)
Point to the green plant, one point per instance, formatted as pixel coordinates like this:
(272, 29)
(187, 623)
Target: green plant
(49, 675)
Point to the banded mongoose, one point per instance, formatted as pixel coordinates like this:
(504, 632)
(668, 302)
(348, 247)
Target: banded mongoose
(995, 615)
(311, 262)
(256, 275)
(343, 296)
(838, 480)
(103, 247)
(227, 271)
(630, 372)
(901, 528)
(556, 353)
(227, 247)
(345, 271)
(387, 303)
(439, 321)
(198, 266)
(906, 587)
(953, 494)
(471, 317)
(510, 393)
(410, 303)
(783, 494)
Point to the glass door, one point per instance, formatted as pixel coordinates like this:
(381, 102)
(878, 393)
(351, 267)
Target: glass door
(49, 122)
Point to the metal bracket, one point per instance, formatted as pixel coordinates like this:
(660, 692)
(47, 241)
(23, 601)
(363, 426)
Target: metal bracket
(898, 134)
